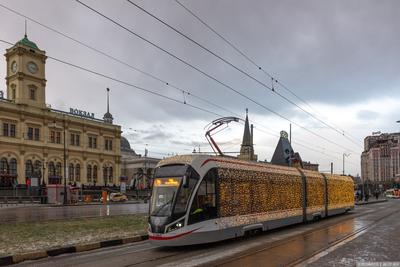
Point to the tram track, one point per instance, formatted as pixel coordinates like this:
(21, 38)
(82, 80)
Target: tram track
(340, 242)
(316, 254)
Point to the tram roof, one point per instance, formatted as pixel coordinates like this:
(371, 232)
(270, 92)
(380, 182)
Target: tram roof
(198, 161)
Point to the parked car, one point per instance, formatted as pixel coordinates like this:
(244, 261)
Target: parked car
(392, 193)
(118, 197)
(115, 197)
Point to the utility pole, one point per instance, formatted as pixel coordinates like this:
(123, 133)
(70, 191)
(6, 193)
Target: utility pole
(344, 155)
(331, 168)
(290, 133)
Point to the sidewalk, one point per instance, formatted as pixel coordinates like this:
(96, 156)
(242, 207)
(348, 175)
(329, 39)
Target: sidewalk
(34, 240)
(371, 201)
(16, 205)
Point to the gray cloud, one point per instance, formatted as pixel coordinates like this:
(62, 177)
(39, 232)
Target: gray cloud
(334, 54)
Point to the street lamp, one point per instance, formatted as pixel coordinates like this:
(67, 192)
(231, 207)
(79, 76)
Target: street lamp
(65, 164)
(65, 161)
(345, 155)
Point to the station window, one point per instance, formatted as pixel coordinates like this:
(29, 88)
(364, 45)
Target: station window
(204, 203)
(92, 142)
(5, 129)
(108, 144)
(32, 92)
(55, 137)
(9, 129)
(75, 139)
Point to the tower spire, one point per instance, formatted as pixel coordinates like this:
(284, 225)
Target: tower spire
(247, 149)
(26, 29)
(108, 100)
(108, 118)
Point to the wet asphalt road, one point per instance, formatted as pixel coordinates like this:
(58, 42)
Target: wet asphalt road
(368, 233)
(45, 213)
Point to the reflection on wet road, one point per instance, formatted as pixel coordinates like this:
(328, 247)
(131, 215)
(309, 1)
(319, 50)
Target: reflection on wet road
(37, 213)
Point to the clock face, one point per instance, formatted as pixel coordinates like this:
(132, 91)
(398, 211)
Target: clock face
(14, 67)
(32, 67)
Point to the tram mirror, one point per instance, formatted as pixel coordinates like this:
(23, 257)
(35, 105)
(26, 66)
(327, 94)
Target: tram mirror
(185, 181)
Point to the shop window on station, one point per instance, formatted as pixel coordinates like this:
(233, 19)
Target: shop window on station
(77, 172)
(13, 166)
(204, 203)
(95, 174)
(71, 172)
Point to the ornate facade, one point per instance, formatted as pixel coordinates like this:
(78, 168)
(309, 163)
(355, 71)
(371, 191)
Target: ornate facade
(39, 142)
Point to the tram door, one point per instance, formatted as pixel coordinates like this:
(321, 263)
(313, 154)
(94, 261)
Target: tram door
(204, 206)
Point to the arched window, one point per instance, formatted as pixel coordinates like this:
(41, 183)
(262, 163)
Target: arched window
(13, 166)
(77, 172)
(89, 173)
(58, 169)
(3, 166)
(71, 172)
(37, 170)
(105, 175)
(95, 174)
(52, 169)
(110, 174)
(28, 169)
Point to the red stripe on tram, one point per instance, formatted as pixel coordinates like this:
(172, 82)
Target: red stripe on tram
(154, 237)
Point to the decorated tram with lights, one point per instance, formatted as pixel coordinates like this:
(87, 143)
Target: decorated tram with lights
(202, 198)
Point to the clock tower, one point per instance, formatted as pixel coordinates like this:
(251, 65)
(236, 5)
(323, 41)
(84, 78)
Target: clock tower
(25, 79)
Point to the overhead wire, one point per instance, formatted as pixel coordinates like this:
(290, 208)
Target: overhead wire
(257, 65)
(146, 90)
(237, 68)
(208, 75)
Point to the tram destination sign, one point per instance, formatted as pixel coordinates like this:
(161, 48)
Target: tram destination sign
(81, 113)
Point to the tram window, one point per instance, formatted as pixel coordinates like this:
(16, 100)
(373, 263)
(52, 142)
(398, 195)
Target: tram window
(171, 170)
(204, 204)
(185, 191)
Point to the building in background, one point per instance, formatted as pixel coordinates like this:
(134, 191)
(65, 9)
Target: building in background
(380, 159)
(32, 134)
(247, 147)
(137, 169)
(310, 166)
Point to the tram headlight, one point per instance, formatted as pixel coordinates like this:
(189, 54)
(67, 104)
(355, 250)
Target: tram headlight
(175, 226)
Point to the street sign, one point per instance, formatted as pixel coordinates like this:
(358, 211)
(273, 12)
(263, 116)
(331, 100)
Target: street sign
(34, 181)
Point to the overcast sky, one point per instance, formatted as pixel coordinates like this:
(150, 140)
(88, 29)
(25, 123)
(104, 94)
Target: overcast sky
(342, 57)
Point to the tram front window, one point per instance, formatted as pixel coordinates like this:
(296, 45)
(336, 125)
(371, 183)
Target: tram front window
(164, 193)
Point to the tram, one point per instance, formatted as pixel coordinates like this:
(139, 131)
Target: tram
(201, 198)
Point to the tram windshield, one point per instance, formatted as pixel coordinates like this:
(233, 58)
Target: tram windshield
(164, 192)
(172, 188)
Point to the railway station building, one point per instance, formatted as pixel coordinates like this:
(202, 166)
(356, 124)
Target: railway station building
(43, 145)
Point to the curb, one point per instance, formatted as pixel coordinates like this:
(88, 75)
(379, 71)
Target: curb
(372, 202)
(17, 258)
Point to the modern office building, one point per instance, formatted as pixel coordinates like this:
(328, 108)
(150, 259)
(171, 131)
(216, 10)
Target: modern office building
(380, 159)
